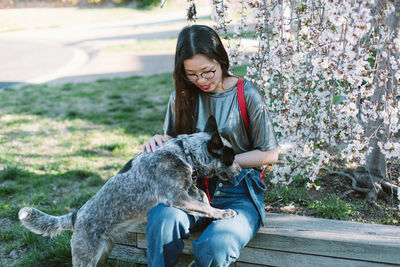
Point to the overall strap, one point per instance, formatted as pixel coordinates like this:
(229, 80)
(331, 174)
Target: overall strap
(243, 111)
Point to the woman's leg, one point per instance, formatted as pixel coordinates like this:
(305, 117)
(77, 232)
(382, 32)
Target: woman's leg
(166, 227)
(221, 242)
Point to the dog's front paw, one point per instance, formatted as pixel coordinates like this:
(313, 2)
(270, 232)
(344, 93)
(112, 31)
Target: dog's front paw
(225, 214)
(228, 213)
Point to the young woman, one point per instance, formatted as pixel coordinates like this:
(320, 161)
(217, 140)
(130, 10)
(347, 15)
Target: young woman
(204, 87)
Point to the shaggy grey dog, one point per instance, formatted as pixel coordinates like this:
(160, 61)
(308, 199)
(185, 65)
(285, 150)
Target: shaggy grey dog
(164, 176)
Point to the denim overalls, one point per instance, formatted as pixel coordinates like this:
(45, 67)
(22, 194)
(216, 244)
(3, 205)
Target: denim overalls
(221, 242)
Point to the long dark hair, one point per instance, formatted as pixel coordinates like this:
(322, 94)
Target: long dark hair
(193, 40)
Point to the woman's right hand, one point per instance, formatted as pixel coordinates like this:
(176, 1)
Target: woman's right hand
(156, 140)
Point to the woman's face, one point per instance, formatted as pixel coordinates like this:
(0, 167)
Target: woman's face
(204, 72)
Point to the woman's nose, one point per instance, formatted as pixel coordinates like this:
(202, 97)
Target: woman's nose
(200, 79)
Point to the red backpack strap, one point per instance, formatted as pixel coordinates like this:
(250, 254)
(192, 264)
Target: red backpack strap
(242, 103)
(206, 187)
(243, 111)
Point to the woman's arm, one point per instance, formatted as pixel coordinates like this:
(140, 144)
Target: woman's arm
(257, 158)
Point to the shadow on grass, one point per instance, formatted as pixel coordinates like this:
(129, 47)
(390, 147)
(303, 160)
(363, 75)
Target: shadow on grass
(136, 104)
(53, 193)
(45, 251)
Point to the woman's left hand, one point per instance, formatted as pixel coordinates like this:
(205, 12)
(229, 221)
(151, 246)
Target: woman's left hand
(156, 140)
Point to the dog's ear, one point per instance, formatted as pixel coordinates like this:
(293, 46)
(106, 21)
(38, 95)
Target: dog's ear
(215, 145)
(211, 125)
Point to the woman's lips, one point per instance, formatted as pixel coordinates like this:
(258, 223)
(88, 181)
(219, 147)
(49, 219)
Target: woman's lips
(205, 87)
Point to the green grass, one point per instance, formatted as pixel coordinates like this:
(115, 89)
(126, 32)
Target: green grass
(303, 198)
(300, 201)
(59, 145)
(330, 207)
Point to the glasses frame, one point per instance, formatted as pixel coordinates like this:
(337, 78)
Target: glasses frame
(201, 74)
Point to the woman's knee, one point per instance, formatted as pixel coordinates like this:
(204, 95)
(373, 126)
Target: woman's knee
(161, 212)
(166, 226)
(221, 242)
(166, 218)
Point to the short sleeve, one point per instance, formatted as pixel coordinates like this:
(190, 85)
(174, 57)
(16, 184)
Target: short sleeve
(261, 130)
(169, 121)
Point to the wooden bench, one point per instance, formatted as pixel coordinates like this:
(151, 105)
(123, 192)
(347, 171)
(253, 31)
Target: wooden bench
(291, 240)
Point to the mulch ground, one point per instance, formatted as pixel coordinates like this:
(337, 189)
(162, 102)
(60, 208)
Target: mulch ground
(384, 211)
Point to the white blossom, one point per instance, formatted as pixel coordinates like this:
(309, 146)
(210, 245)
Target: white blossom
(304, 69)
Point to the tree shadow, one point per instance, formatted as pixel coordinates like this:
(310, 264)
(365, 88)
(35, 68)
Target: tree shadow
(136, 105)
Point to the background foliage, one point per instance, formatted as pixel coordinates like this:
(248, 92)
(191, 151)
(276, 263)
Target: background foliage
(330, 72)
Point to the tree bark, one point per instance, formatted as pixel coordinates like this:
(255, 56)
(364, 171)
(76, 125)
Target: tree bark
(373, 175)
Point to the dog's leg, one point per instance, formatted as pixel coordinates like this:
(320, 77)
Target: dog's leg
(89, 250)
(104, 250)
(198, 194)
(195, 207)
(81, 250)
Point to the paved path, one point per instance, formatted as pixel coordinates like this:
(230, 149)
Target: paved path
(74, 54)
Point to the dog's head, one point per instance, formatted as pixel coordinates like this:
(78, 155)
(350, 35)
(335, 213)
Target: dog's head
(216, 156)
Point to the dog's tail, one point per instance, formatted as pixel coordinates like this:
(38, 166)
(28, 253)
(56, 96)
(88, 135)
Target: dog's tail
(45, 224)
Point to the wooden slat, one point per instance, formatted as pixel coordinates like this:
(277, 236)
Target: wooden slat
(129, 239)
(318, 244)
(187, 249)
(141, 240)
(289, 239)
(245, 264)
(282, 259)
(184, 260)
(358, 230)
(138, 228)
(380, 243)
(128, 254)
(294, 222)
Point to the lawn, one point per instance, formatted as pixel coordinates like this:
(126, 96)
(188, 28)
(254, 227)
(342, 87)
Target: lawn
(59, 144)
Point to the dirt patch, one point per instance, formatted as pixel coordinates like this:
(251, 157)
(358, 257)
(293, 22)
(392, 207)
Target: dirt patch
(339, 188)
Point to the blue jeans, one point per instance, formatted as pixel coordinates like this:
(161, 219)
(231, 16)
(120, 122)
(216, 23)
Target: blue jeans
(219, 244)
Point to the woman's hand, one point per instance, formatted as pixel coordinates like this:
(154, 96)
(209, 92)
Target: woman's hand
(156, 140)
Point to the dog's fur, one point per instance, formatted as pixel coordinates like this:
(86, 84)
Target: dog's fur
(164, 176)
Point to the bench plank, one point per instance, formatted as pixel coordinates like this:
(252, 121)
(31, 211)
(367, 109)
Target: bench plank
(291, 240)
(290, 259)
(344, 239)
(126, 253)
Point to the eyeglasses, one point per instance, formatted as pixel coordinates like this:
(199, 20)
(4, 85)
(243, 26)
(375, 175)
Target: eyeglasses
(206, 75)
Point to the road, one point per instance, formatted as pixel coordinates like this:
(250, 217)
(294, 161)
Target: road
(75, 54)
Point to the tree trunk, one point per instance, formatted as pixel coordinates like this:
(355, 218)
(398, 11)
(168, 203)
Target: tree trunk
(373, 175)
